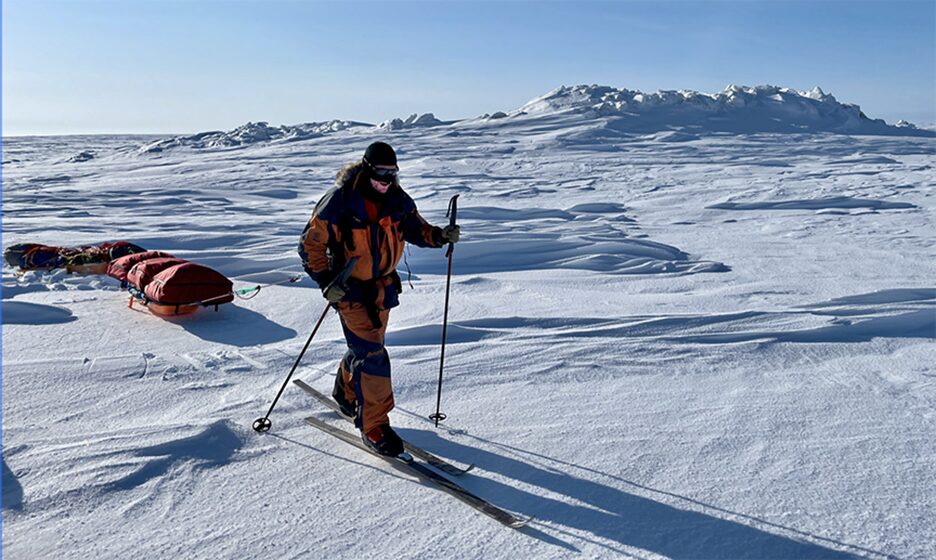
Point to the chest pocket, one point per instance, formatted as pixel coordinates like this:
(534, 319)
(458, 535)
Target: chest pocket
(394, 240)
(358, 244)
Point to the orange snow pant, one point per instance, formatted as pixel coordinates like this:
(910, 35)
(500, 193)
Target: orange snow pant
(365, 367)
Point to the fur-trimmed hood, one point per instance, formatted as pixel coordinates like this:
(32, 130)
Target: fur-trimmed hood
(347, 172)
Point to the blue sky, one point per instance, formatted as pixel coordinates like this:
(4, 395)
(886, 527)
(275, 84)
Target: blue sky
(177, 66)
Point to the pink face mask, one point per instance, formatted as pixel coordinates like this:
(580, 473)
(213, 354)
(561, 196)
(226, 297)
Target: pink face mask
(382, 188)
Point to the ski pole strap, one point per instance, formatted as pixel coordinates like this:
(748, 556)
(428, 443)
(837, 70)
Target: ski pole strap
(409, 273)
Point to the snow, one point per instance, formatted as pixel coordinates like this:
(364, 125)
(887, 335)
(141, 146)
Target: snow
(675, 330)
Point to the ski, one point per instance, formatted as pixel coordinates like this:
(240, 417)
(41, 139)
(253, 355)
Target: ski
(436, 462)
(406, 463)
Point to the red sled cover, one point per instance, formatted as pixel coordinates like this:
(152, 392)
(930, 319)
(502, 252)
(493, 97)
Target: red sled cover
(189, 283)
(143, 272)
(119, 268)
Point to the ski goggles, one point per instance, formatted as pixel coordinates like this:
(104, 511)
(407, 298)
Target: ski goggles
(383, 175)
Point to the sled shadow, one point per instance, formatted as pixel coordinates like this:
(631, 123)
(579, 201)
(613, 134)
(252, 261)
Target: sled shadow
(234, 325)
(694, 530)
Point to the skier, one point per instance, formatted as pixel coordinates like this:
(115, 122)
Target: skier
(368, 217)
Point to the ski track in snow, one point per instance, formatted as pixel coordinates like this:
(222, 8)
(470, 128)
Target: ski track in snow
(669, 344)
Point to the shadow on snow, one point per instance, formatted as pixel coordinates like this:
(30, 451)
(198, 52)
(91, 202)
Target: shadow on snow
(629, 519)
(12, 490)
(213, 446)
(234, 325)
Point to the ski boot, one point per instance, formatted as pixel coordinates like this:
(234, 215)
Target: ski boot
(383, 440)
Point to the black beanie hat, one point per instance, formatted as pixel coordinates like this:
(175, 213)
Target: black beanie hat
(380, 153)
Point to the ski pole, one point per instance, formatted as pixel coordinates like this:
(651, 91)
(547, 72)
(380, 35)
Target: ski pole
(452, 211)
(264, 424)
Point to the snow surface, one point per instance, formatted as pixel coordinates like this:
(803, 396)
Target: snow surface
(706, 337)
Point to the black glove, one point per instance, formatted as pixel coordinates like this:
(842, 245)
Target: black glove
(450, 234)
(332, 288)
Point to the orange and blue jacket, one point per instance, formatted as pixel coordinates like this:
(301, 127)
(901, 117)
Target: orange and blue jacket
(341, 229)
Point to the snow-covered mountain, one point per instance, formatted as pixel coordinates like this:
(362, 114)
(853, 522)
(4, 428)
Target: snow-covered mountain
(681, 326)
(618, 113)
(249, 133)
(736, 109)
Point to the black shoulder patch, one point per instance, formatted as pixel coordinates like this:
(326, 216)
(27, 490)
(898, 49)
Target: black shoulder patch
(326, 205)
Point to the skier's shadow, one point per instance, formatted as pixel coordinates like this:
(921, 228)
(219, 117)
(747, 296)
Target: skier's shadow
(695, 531)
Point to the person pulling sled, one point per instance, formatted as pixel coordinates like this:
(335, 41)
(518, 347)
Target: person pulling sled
(351, 247)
